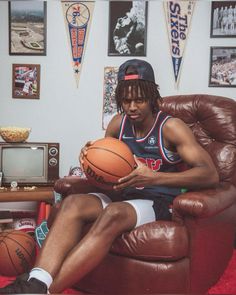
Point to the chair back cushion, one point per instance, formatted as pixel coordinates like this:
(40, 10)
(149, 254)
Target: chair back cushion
(213, 122)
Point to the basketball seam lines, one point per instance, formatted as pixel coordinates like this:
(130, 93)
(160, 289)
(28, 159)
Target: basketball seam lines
(9, 255)
(108, 172)
(12, 239)
(100, 148)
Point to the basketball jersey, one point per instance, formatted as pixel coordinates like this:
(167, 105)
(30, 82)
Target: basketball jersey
(150, 150)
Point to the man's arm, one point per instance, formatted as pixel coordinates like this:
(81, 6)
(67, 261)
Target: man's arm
(113, 127)
(202, 172)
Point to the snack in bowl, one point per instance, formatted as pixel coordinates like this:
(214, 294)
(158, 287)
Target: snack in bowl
(14, 134)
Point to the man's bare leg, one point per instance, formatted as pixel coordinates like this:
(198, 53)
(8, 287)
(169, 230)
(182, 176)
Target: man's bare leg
(65, 233)
(115, 219)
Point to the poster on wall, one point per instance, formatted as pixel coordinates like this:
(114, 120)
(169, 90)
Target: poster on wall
(127, 28)
(78, 18)
(27, 27)
(109, 103)
(178, 20)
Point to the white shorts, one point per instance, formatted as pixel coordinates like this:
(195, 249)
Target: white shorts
(143, 208)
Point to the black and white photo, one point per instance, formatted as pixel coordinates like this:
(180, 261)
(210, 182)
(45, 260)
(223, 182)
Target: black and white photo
(223, 19)
(127, 28)
(222, 67)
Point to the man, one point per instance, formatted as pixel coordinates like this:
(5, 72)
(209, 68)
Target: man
(128, 35)
(160, 143)
(27, 89)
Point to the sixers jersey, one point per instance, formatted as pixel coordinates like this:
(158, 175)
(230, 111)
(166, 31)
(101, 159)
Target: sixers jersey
(150, 150)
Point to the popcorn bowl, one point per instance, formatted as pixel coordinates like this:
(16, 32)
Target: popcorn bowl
(14, 134)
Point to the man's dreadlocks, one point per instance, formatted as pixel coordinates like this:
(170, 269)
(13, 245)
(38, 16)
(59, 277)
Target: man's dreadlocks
(147, 90)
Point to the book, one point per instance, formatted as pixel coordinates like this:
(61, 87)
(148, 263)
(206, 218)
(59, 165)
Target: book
(6, 217)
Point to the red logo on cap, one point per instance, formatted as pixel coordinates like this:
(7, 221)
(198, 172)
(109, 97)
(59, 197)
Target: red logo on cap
(131, 77)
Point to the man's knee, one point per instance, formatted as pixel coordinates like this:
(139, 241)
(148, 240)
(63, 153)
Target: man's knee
(115, 218)
(82, 206)
(114, 213)
(68, 204)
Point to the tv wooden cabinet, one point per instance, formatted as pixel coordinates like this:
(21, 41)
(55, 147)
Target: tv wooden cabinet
(21, 194)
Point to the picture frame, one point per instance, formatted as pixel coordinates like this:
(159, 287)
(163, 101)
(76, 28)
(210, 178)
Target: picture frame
(223, 19)
(26, 81)
(109, 102)
(222, 67)
(27, 27)
(127, 28)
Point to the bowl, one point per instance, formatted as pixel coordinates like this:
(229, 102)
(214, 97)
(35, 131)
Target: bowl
(14, 134)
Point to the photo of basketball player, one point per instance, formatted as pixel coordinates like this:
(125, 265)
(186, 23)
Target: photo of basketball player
(223, 19)
(127, 28)
(223, 67)
(25, 81)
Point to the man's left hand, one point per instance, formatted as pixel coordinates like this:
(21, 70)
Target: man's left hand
(139, 177)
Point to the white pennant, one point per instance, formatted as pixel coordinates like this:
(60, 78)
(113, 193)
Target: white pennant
(178, 19)
(78, 18)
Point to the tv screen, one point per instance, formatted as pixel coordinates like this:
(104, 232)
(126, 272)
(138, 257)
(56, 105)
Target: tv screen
(23, 162)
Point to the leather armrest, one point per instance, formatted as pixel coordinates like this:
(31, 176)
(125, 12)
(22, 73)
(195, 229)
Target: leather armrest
(204, 203)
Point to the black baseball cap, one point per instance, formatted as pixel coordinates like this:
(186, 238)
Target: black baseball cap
(144, 71)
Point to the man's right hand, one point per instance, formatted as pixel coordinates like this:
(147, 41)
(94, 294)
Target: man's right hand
(83, 152)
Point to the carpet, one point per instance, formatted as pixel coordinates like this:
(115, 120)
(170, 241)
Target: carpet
(225, 285)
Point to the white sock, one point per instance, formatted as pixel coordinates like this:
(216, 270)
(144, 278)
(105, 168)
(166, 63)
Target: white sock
(42, 275)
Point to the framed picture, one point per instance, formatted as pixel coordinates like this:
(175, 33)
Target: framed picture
(127, 28)
(27, 27)
(109, 101)
(223, 19)
(25, 81)
(222, 67)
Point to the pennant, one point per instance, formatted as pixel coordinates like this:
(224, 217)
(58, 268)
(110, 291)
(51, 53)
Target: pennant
(78, 18)
(178, 19)
(109, 102)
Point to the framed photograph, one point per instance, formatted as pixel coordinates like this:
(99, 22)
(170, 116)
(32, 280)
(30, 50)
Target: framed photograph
(127, 28)
(27, 27)
(25, 81)
(223, 19)
(222, 67)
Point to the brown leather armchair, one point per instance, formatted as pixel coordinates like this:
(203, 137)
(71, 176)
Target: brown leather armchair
(189, 253)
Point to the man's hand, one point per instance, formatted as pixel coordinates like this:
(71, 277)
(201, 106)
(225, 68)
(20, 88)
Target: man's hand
(140, 177)
(83, 152)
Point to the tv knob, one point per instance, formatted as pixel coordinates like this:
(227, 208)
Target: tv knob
(53, 162)
(53, 151)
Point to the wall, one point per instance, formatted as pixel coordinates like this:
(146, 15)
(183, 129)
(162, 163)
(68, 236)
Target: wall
(71, 115)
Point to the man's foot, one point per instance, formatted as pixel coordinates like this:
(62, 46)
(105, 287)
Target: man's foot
(22, 286)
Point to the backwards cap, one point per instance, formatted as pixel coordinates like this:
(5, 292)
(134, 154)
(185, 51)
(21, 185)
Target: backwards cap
(144, 71)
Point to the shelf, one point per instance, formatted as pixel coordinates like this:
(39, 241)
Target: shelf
(19, 195)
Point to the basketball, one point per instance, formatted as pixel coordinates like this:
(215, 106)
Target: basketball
(107, 160)
(17, 252)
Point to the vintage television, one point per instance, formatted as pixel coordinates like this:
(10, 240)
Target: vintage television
(29, 163)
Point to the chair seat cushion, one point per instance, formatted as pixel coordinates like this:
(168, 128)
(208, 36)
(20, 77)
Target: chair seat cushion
(155, 241)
